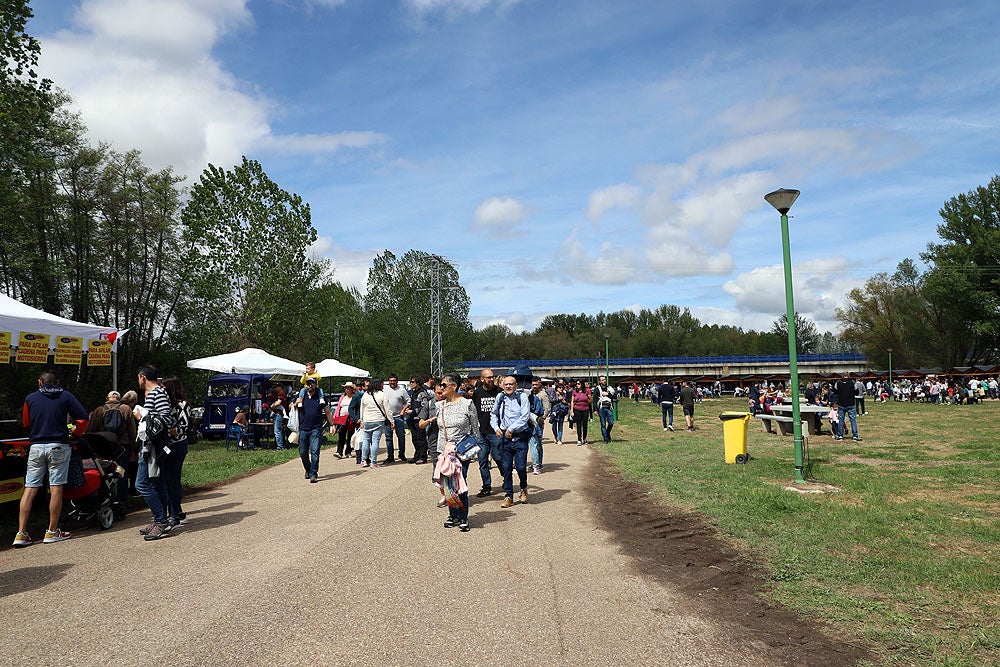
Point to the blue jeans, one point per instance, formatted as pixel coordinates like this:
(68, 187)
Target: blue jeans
(668, 414)
(309, 442)
(491, 447)
(607, 417)
(514, 456)
(373, 433)
(852, 412)
(279, 432)
(399, 426)
(170, 470)
(153, 491)
(557, 428)
(535, 446)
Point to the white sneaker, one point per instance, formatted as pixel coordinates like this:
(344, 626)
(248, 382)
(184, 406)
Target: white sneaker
(536, 471)
(671, 428)
(22, 540)
(55, 536)
(665, 428)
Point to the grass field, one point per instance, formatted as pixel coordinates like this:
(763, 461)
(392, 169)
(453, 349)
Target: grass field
(904, 556)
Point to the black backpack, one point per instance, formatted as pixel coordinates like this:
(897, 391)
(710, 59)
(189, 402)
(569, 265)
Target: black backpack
(113, 421)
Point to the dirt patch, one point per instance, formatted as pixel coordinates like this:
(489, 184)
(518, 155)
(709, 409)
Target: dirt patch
(850, 458)
(681, 550)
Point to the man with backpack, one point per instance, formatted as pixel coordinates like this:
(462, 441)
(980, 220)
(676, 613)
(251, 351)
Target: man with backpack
(116, 417)
(604, 399)
(511, 423)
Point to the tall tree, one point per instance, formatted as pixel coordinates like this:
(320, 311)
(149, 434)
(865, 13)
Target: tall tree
(247, 272)
(963, 280)
(397, 312)
(806, 335)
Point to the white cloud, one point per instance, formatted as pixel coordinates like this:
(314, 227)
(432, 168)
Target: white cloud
(304, 144)
(497, 216)
(457, 6)
(350, 267)
(609, 265)
(622, 195)
(142, 75)
(818, 287)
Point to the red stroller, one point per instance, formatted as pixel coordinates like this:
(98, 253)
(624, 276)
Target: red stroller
(97, 501)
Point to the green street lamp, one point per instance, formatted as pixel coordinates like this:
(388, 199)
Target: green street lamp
(782, 200)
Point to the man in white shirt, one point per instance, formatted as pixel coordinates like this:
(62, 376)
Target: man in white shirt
(396, 398)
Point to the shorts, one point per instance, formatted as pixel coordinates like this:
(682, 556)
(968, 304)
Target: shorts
(52, 457)
(688, 410)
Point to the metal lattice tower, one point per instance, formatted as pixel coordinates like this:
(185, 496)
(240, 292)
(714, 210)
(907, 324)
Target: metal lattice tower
(437, 351)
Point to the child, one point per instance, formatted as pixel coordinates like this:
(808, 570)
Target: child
(835, 422)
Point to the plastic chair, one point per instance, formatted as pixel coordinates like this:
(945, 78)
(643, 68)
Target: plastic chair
(238, 436)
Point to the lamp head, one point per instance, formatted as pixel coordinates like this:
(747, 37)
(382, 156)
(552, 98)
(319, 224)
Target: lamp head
(782, 199)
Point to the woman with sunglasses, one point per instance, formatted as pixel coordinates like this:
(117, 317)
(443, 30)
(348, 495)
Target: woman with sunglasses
(456, 420)
(581, 412)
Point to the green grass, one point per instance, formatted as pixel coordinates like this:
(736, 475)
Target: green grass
(904, 556)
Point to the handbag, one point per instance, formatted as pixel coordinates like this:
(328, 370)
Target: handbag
(467, 448)
(75, 477)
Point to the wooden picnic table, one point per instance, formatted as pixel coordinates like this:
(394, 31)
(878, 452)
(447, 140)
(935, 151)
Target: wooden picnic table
(811, 414)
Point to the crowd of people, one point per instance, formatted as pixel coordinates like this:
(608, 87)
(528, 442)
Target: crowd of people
(152, 438)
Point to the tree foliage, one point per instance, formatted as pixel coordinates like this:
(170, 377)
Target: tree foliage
(806, 335)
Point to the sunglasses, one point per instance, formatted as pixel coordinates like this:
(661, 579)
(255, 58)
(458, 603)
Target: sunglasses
(446, 384)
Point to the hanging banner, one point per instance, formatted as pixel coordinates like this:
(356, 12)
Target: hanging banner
(69, 350)
(32, 348)
(4, 347)
(98, 352)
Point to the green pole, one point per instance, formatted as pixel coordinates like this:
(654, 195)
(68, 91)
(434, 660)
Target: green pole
(793, 362)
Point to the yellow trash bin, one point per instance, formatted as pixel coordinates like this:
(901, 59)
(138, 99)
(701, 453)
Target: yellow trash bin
(734, 435)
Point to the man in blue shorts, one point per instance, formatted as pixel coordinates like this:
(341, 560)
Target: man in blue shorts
(46, 413)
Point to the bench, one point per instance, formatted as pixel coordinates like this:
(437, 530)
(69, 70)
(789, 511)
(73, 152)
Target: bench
(784, 424)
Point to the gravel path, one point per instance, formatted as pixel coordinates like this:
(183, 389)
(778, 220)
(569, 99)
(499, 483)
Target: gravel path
(354, 570)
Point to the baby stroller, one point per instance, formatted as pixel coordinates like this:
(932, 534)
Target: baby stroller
(96, 501)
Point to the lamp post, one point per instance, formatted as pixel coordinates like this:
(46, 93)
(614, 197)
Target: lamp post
(892, 394)
(782, 201)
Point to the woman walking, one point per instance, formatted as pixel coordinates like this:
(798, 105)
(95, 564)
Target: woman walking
(581, 412)
(456, 420)
(343, 422)
(173, 461)
(374, 416)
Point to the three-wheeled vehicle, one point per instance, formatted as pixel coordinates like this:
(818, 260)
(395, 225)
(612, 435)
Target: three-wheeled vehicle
(226, 394)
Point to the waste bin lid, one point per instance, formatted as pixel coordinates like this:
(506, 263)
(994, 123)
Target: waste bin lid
(733, 415)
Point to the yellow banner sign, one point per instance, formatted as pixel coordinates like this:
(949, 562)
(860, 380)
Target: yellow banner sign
(4, 347)
(69, 350)
(98, 352)
(11, 489)
(33, 348)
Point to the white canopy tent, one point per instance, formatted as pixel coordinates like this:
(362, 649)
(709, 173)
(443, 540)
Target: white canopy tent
(16, 317)
(331, 368)
(249, 360)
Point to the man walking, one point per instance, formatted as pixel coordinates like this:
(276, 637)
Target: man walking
(667, 395)
(605, 401)
(509, 421)
(845, 404)
(540, 407)
(687, 404)
(396, 398)
(484, 398)
(312, 410)
(45, 415)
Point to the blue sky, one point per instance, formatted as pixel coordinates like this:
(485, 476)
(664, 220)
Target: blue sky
(565, 156)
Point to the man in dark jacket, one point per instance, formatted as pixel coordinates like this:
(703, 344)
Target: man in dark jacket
(845, 404)
(46, 413)
(484, 396)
